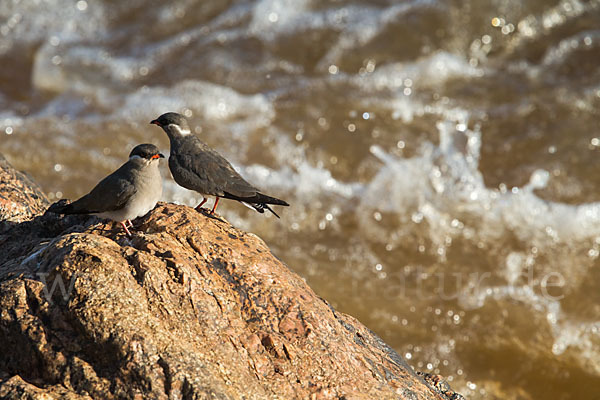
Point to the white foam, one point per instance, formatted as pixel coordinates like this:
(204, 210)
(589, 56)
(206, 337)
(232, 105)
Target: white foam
(563, 52)
(38, 21)
(447, 180)
(579, 341)
(211, 101)
(430, 71)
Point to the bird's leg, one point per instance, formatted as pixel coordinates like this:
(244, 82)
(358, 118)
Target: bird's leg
(128, 221)
(199, 207)
(215, 206)
(125, 227)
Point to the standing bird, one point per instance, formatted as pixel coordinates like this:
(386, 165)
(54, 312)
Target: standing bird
(129, 192)
(197, 167)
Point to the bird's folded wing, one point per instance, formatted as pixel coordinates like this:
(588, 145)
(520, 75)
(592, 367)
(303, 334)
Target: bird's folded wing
(216, 175)
(111, 194)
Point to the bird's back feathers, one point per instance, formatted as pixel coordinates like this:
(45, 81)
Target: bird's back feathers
(110, 194)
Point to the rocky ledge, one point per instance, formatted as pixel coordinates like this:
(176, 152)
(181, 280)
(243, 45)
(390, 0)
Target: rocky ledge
(187, 308)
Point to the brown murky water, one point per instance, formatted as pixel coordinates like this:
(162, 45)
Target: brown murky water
(441, 157)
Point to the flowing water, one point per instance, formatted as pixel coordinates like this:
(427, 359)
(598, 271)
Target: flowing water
(441, 157)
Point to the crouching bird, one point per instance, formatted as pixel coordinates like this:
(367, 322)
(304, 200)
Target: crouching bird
(129, 192)
(197, 167)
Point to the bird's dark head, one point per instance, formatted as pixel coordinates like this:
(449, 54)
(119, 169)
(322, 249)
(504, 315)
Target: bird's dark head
(173, 124)
(146, 152)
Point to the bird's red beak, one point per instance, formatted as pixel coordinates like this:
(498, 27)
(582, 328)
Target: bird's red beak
(155, 122)
(157, 155)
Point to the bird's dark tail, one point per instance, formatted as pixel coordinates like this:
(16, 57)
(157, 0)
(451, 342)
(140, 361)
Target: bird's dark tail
(260, 202)
(258, 198)
(260, 207)
(60, 207)
(264, 199)
(64, 207)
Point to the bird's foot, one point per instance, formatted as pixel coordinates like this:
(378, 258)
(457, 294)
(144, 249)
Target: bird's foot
(125, 227)
(215, 206)
(199, 206)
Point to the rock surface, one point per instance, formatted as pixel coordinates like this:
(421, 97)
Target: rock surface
(20, 198)
(187, 308)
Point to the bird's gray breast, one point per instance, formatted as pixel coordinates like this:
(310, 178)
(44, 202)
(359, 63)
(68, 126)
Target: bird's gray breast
(148, 191)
